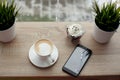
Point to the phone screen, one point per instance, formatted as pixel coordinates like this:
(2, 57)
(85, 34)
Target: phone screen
(77, 60)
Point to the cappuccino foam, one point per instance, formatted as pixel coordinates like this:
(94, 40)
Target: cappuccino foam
(43, 47)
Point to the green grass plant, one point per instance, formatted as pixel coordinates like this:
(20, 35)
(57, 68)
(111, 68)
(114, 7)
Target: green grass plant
(108, 16)
(8, 13)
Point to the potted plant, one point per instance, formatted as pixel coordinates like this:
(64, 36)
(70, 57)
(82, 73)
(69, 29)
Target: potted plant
(107, 21)
(8, 13)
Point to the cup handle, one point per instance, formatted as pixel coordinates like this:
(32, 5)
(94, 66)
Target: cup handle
(50, 59)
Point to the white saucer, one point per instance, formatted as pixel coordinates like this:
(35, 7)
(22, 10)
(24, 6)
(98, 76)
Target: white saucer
(37, 61)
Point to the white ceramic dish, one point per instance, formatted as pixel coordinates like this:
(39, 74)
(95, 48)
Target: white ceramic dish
(39, 62)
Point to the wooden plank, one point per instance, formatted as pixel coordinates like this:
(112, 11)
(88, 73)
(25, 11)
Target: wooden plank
(14, 55)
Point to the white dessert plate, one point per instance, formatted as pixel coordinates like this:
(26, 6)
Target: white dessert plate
(39, 61)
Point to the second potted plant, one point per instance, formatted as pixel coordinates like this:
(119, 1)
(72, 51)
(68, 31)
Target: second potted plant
(107, 21)
(8, 13)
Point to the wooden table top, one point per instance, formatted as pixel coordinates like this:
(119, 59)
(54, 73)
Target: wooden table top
(14, 61)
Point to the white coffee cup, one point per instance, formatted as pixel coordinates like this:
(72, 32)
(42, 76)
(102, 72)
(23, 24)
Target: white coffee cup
(44, 48)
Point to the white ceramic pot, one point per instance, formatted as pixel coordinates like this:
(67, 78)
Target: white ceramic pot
(102, 36)
(8, 34)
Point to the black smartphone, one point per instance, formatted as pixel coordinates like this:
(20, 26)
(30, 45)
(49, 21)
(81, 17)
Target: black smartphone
(77, 60)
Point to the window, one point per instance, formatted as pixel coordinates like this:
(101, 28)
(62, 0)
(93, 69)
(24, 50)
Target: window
(55, 10)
